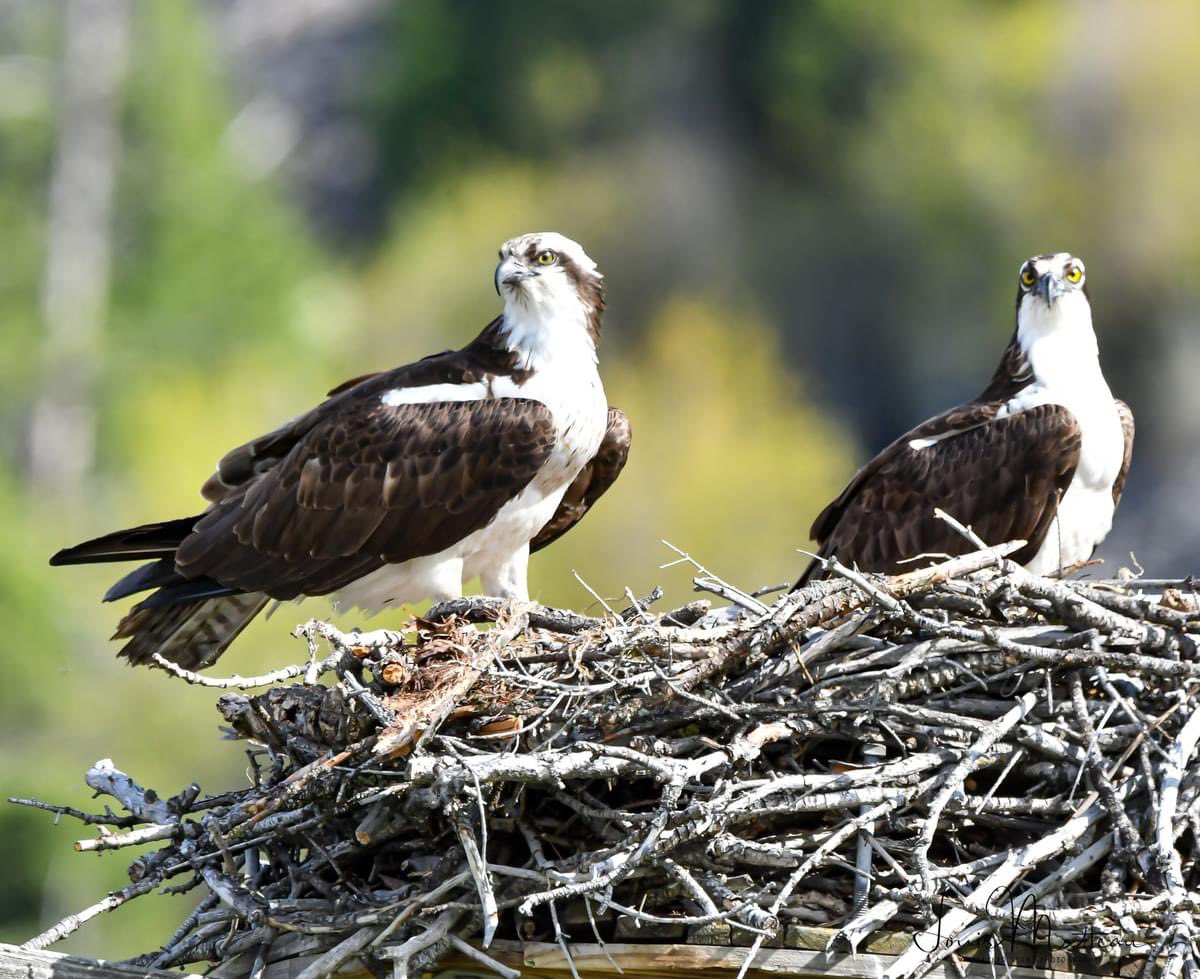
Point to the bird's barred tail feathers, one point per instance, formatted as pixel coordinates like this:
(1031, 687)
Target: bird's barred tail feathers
(191, 634)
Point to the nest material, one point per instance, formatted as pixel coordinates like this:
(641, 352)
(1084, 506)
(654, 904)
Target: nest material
(958, 754)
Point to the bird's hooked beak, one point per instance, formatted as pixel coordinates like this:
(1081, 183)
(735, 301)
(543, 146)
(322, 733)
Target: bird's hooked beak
(1049, 287)
(510, 272)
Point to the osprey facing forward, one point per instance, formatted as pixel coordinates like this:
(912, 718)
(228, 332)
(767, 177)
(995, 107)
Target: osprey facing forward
(401, 485)
(1041, 455)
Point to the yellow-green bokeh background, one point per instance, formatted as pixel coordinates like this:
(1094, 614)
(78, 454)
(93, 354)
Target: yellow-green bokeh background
(810, 216)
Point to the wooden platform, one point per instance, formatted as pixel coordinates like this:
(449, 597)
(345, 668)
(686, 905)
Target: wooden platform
(547, 961)
(542, 960)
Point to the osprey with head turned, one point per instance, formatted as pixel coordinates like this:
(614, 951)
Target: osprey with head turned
(1041, 455)
(401, 485)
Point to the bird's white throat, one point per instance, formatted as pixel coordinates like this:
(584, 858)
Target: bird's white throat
(548, 330)
(1060, 345)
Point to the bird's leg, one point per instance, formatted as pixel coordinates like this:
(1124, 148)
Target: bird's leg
(510, 579)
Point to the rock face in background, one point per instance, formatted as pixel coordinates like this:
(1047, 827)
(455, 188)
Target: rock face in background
(301, 72)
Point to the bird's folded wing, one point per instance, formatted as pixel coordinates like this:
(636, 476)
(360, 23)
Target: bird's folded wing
(1126, 416)
(596, 477)
(1002, 476)
(366, 483)
(479, 358)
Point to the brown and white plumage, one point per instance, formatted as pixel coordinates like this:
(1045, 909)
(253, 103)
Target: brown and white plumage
(401, 485)
(592, 482)
(1041, 455)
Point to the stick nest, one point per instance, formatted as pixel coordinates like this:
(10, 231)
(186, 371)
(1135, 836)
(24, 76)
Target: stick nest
(963, 754)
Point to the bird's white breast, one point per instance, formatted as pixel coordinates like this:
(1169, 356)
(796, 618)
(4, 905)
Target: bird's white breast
(1071, 377)
(580, 412)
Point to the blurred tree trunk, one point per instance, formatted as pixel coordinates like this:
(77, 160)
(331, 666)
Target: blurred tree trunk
(75, 281)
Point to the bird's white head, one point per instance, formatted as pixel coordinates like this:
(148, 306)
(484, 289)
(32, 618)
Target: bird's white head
(1052, 305)
(553, 295)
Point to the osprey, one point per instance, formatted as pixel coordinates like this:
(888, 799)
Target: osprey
(1041, 455)
(401, 485)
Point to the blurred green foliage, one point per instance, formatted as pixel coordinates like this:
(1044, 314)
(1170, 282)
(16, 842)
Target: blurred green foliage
(809, 214)
(208, 258)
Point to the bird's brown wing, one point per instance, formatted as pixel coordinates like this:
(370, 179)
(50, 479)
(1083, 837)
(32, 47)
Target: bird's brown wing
(484, 356)
(1126, 416)
(242, 464)
(1002, 476)
(596, 477)
(368, 484)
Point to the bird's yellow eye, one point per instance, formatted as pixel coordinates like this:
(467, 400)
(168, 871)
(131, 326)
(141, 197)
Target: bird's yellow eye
(546, 257)
(1028, 277)
(1074, 274)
